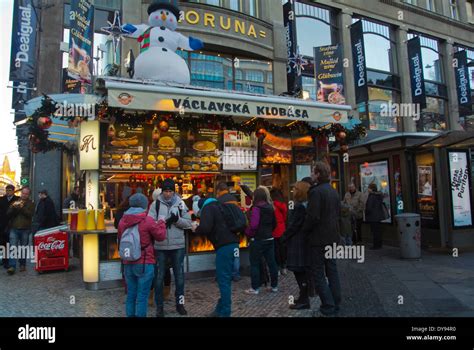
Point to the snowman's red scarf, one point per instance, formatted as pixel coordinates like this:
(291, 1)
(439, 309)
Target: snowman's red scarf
(144, 40)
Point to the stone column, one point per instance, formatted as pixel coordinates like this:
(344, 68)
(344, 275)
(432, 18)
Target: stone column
(462, 11)
(407, 124)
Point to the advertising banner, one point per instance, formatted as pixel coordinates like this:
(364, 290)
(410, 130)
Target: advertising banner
(463, 87)
(328, 68)
(359, 63)
(417, 78)
(460, 184)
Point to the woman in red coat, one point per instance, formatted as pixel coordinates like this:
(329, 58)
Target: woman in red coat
(281, 211)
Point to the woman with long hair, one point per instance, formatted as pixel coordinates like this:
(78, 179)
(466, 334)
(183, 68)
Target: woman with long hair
(281, 211)
(260, 229)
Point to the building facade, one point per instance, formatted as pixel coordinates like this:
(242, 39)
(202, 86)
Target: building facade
(414, 175)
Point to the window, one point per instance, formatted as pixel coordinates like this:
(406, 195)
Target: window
(430, 5)
(221, 72)
(235, 5)
(309, 84)
(310, 20)
(453, 9)
(378, 99)
(253, 7)
(470, 11)
(433, 118)
(411, 2)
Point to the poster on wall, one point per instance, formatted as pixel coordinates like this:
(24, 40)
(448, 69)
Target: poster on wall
(276, 150)
(329, 74)
(240, 151)
(425, 180)
(162, 149)
(123, 149)
(202, 151)
(377, 173)
(460, 184)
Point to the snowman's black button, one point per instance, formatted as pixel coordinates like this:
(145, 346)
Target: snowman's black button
(165, 50)
(163, 28)
(161, 39)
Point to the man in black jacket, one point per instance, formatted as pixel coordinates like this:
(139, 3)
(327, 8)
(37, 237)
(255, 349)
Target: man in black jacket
(322, 228)
(5, 202)
(226, 244)
(45, 214)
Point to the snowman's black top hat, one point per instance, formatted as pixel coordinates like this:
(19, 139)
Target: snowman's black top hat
(163, 6)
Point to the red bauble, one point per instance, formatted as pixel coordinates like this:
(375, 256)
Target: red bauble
(341, 136)
(261, 133)
(44, 122)
(164, 126)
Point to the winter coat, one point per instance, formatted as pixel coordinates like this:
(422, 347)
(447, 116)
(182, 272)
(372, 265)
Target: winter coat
(21, 216)
(4, 205)
(213, 226)
(262, 222)
(150, 232)
(225, 197)
(175, 234)
(346, 220)
(295, 239)
(45, 215)
(357, 203)
(374, 207)
(322, 216)
(281, 212)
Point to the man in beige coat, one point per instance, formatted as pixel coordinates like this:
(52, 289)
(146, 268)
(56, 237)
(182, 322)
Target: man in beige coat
(356, 200)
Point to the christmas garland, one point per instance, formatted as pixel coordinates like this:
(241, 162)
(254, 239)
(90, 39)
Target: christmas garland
(41, 120)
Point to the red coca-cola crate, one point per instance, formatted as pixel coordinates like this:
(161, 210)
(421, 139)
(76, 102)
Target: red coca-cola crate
(52, 249)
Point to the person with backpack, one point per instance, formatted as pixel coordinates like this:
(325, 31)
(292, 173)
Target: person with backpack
(170, 207)
(260, 229)
(137, 233)
(213, 225)
(225, 197)
(281, 212)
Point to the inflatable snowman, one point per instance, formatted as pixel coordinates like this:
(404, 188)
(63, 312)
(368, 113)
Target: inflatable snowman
(158, 43)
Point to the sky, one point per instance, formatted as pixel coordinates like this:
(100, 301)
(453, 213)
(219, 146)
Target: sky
(8, 141)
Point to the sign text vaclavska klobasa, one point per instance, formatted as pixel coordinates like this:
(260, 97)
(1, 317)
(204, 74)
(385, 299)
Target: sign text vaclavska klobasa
(155, 101)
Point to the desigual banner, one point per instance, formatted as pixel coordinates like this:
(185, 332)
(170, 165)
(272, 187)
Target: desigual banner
(359, 63)
(463, 87)
(23, 49)
(417, 77)
(252, 107)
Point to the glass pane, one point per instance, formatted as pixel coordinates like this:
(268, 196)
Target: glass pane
(432, 65)
(433, 118)
(309, 84)
(305, 31)
(210, 70)
(252, 76)
(378, 52)
(383, 79)
(235, 5)
(379, 98)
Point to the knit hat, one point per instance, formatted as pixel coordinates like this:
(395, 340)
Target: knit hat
(168, 184)
(163, 6)
(138, 200)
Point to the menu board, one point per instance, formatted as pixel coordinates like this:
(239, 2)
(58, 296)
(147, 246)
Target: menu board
(123, 148)
(202, 151)
(304, 150)
(276, 150)
(240, 151)
(163, 149)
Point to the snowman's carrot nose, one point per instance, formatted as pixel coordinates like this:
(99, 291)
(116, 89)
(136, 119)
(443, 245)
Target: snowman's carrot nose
(163, 17)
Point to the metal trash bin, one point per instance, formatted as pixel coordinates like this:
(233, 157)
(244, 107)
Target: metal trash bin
(410, 235)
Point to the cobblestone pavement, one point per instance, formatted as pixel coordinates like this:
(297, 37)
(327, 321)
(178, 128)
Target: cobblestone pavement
(384, 285)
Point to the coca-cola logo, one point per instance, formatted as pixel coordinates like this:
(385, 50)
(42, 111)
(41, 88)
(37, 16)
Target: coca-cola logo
(55, 245)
